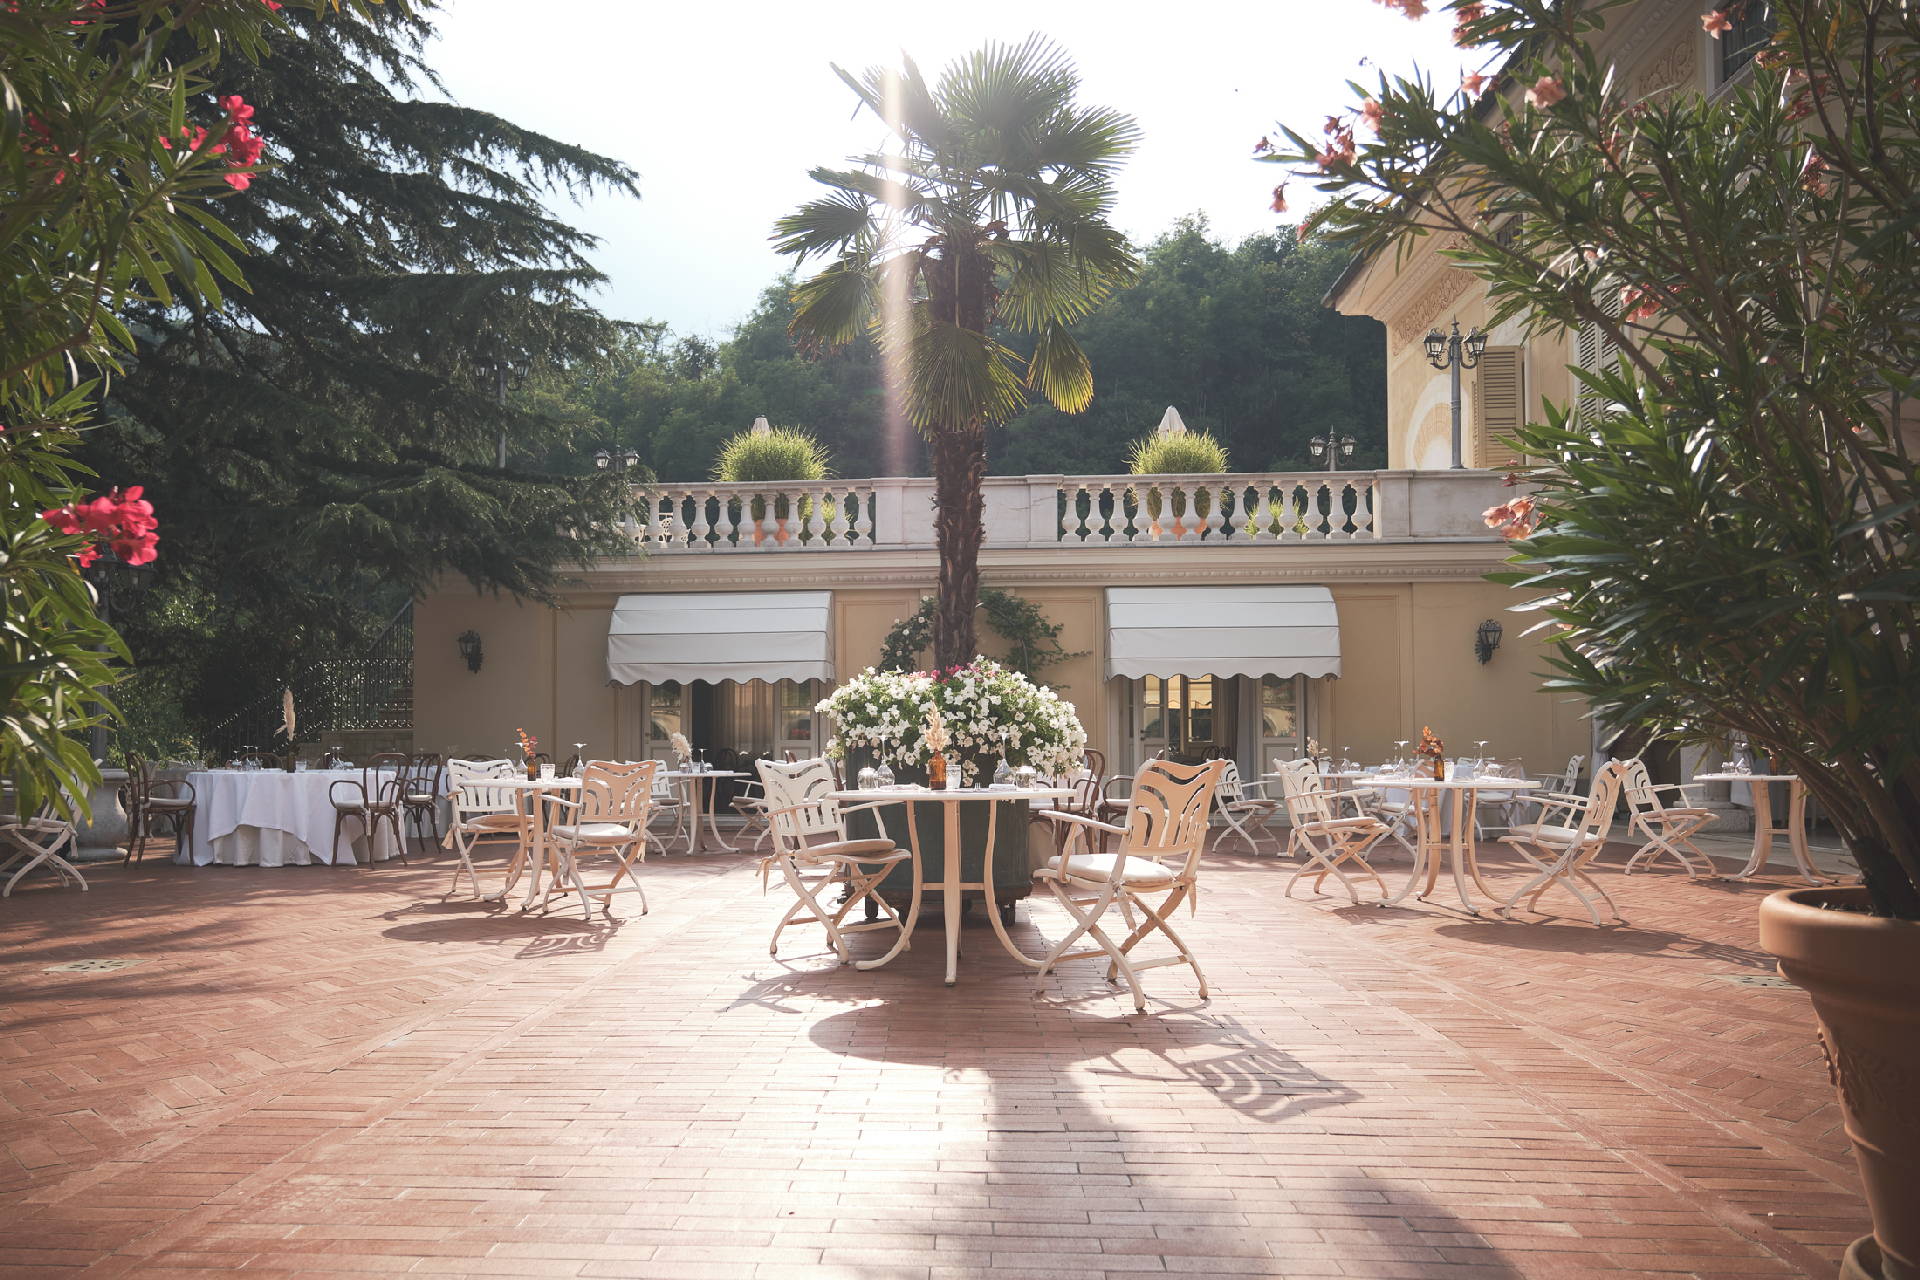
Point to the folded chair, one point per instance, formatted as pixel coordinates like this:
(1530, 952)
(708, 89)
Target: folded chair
(1569, 833)
(1322, 835)
(1246, 808)
(483, 809)
(814, 855)
(1161, 841)
(608, 821)
(1667, 828)
(38, 839)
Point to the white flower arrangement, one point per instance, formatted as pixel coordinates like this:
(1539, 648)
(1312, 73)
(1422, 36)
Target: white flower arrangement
(985, 710)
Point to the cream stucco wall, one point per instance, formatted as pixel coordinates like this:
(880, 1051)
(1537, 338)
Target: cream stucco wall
(1406, 641)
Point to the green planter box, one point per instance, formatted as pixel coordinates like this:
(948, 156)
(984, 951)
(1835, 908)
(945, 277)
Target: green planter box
(1012, 877)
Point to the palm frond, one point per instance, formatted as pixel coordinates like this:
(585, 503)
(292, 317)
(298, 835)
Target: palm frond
(956, 377)
(831, 308)
(827, 225)
(1059, 370)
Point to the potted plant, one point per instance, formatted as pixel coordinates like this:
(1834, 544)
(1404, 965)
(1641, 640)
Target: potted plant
(989, 713)
(766, 454)
(1725, 540)
(1173, 450)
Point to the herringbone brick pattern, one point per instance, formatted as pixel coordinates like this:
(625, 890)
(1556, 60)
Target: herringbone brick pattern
(322, 1071)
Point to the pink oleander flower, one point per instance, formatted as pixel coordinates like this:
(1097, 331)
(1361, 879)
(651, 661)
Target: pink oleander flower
(1716, 23)
(1516, 519)
(1546, 91)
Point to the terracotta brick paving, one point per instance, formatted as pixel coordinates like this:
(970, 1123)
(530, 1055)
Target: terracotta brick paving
(328, 1071)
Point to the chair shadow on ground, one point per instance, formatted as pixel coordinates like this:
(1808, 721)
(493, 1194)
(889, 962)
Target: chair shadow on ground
(475, 921)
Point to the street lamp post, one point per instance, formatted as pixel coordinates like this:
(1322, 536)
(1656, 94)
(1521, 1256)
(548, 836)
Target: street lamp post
(506, 373)
(1332, 447)
(1453, 352)
(615, 459)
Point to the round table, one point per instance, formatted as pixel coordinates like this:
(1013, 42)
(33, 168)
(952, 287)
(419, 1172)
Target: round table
(951, 885)
(1763, 828)
(272, 818)
(1444, 830)
(531, 855)
(701, 799)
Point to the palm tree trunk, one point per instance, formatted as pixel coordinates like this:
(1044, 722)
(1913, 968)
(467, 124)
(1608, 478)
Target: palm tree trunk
(959, 469)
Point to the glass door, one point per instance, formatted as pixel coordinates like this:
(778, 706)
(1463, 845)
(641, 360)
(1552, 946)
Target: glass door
(1282, 724)
(795, 726)
(1183, 716)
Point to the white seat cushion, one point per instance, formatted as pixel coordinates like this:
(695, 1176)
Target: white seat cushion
(854, 850)
(491, 822)
(1543, 833)
(593, 831)
(168, 802)
(1099, 866)
(421, 799)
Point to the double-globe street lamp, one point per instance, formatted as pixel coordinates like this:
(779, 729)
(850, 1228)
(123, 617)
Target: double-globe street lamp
(1331, 447)
(1453, 352)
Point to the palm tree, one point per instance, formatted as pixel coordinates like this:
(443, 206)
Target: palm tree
(986, 208)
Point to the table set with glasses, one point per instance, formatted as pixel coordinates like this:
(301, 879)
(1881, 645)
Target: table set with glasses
(255, 816)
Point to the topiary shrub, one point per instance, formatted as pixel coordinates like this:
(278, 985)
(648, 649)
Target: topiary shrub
(1180, 452)
(769, 455)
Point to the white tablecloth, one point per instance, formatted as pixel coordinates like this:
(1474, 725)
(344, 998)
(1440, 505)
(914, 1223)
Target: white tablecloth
(272, 818)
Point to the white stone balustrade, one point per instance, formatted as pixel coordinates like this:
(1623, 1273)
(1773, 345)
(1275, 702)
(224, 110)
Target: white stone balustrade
(1238, 509)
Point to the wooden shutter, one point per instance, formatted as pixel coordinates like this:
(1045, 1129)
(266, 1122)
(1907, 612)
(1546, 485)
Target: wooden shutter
(1499, 407)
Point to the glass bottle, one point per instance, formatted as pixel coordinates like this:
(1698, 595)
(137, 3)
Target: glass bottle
(884, 774)
(1002, 774)
(937, 771)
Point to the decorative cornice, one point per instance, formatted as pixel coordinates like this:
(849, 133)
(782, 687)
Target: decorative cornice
(1676, 68)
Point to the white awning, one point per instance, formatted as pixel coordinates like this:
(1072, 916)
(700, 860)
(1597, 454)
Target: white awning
(722, 635)
(1222, 631)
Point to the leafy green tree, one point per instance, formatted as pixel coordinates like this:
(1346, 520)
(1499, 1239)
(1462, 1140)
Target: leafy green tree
(1728, 534)
(989, 208)
(110, 155)
(327, 442)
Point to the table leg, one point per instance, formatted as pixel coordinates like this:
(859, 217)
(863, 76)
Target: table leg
(1797, 831)
(713, 819)
(1762, 831)
(1424, 840)
(993, 907)
(515, 865)
(537, 851)
(950, 887)
(913, 903)
(1463, 815)
(690, 796)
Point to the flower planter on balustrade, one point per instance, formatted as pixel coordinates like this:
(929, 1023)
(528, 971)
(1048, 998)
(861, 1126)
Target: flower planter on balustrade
(1012, 872)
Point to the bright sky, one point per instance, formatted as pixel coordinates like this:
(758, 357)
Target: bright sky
(723, 107)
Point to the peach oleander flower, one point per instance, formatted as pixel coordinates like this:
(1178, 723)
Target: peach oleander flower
(1472, 83)
(1637, 305)
(1546, 91)
(1371, 113)
(1716, 22)
(1516, 519)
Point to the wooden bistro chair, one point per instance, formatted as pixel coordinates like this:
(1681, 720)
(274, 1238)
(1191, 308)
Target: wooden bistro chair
(1569, 833)
(1323, 835)
(420, 796)
(1667, 828)
(1246, 808)
(374, 798)
(483, 808)
(149, 800)
(814, 854)
(1161, 842)
(608, 821)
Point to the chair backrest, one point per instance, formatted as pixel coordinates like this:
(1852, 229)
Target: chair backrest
(798, 805)
(1637, 783)
(1596, 816)
(1229, 787)
(468, 781)
(385, 775)
(1168, 810)
(1571, 778)
(1094, 762)
(665, 790)
(424, 774)
(1303, 791)
(613, 791)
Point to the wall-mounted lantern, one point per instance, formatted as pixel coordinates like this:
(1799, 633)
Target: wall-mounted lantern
(469, 642)
(1486, 639)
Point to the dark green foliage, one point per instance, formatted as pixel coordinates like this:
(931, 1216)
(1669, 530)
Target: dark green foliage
(1033, 643)
(324, 445)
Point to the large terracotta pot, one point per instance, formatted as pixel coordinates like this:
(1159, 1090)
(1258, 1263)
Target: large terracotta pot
(1863, 973)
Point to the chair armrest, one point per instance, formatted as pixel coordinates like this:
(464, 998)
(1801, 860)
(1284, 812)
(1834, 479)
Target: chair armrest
(1080, 819)
(562, 801)
(346, 782)
(177, 783)
(1106, 788)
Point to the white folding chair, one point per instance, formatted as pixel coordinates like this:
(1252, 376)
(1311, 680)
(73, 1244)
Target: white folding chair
(1322, 835)
(609, 820)
(1566, 783)
(814, 854)
(482, 809)
(1569, 833)
(38, 839)
(1161, 841)
(1667, 828)
(1245, 805)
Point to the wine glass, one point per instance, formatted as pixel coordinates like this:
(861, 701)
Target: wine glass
(579, 758)
(885, 775)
